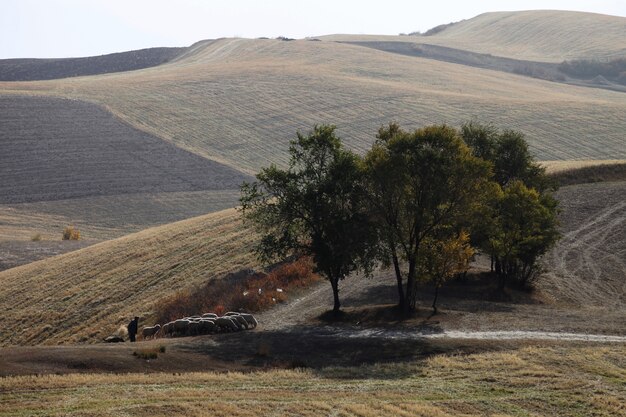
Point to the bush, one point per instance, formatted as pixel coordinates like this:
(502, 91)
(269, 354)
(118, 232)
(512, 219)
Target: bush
(71, 233)
(249, 292)
(36, 238)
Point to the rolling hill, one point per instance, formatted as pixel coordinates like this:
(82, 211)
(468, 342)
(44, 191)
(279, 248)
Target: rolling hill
(48, 69)
(240, 101)
(534, 35)
(86, 294)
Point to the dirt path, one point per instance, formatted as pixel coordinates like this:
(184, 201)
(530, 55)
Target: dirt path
(588, 266)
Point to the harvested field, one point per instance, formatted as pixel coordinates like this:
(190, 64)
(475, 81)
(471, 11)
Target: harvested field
(97, 219)
(84, 296)
(534, 35)
(55, 149)
(530, 380)
(240, 101)
(588, 266)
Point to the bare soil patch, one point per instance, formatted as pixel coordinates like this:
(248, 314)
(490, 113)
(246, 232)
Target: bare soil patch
(28, 69)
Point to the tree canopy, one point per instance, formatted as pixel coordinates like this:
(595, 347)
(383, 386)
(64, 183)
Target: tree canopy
(316, 207)
(419, 201)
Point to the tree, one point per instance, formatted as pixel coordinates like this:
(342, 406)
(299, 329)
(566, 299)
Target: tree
(419, 183)
(525, 229)
(445, 257)
(509, 153)
(315, 207)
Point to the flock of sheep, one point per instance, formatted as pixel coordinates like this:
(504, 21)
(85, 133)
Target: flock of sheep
(205, 324)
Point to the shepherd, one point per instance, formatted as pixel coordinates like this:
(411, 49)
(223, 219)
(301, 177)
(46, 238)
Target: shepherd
(132, 328)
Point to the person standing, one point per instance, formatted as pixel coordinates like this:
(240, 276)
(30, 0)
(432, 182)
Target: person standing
(132, 328)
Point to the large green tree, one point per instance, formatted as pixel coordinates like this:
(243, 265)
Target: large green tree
(316, 207)
(525, 228)
(420, 182)
(519, 222)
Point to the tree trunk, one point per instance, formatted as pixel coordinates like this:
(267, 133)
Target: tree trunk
(435, 299)
(334, 283)
(410, 299)
(396, 267)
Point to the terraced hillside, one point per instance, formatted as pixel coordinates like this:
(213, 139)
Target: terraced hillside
(87, 294)
(239, 101)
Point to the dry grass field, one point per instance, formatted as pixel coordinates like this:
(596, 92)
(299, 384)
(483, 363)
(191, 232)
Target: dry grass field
(116, 153)
(87, 294)
(534, 35)
(528, 381)
(239, 101)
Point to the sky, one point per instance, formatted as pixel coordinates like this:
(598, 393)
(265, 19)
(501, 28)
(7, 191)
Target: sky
(72, 28)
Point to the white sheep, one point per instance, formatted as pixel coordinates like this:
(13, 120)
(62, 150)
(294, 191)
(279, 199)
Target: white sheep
(181, 326)
(252, 323)
(225, 323)
(150, 331)
(207, 326)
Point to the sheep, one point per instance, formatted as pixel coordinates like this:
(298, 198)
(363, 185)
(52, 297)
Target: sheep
(207, 326)
(194, 327)
(252, 323)
(225, 323)
(240, 321)
(150, 331)
(181, 326)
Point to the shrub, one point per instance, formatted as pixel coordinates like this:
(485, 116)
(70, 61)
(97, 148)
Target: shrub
(71, 233)
(251, 292)
(36, 238)
(146, 354)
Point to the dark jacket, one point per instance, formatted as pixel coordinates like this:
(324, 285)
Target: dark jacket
(132, 326)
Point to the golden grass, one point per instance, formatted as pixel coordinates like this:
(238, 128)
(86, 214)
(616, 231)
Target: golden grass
(240, 101)
(564, 380)
(534, 35)
(85, 295)
(555, 167)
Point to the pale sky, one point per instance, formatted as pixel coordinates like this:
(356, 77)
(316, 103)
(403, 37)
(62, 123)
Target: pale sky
(64, 28)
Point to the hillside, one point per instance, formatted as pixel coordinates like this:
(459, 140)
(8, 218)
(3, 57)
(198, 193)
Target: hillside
(67, 162)
(239, 101)
(534, 35)
(48, 69)
(84, 295)
(87, 294)
(538, 35)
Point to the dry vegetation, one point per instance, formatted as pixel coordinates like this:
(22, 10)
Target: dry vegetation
(565, 381)
(244, 291)
(85, 295)
(239, 101)
(534, 35)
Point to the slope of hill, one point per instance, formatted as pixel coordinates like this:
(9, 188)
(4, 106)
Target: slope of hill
(534, 35)
(48, 69)
(240, 101)
(538, 35)
(54, 149)
(86, 294)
